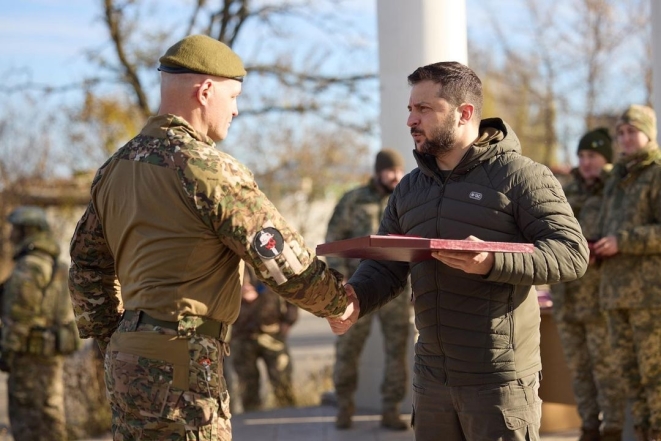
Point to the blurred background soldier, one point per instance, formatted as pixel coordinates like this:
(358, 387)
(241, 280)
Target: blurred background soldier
(358, 213)
(38, 329)
(630, 247)
(260, 332)
(581, 323)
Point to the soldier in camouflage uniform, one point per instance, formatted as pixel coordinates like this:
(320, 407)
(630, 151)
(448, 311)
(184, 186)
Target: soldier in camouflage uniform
(581, 323)
(35, 306)
(158, 256)
(261, 332)
(358, 213)
(630, 247)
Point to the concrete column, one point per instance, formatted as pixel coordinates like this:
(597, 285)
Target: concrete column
(656, 54)
(413, 33)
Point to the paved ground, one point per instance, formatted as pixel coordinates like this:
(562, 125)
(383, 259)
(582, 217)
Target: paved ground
(317, 423)
(312, 350)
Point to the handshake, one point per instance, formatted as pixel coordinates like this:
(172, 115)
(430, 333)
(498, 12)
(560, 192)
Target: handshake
(340, 325)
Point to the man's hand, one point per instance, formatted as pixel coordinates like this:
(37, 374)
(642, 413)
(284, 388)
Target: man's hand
(470, 262)
(606, 246)
(340, 325)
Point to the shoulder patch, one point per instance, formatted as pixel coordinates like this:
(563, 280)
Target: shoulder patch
(268, 243)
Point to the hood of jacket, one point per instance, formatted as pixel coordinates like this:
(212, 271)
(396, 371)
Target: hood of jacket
(495, 138)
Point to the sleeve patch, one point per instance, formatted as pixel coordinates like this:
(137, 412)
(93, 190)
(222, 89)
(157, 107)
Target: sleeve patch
(268, 243)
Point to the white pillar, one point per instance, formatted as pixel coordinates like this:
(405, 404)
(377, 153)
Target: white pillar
(413, 33)
(656, 55)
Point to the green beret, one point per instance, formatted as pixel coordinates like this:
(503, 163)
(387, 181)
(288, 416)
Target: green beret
(204, 55)
(597, 140)
(388, 158)
(641, 117)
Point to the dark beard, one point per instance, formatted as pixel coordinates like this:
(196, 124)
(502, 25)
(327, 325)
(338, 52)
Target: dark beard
(384, 188)
(441, 140)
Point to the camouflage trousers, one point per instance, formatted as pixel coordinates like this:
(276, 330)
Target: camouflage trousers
(36, 398)
(596, 379)
(394, 318)
(636, 340)
(166, 387)
(273, 350)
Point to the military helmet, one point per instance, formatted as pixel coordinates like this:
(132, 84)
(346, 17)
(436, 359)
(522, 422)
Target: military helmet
(29, 216)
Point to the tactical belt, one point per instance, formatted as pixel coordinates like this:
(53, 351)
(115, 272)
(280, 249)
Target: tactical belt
(209, 327)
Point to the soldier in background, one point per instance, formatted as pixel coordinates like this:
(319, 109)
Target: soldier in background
(260, 332)
(38, 329)
(630, 249)
(358, 213)
(581, 323)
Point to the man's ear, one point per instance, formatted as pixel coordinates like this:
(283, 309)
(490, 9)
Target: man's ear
(204, 91)
(466, 112)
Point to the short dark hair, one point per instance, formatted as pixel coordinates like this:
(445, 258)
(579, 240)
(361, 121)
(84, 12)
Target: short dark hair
(459, 83)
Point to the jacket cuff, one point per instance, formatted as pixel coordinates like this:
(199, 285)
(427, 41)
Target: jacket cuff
(622, 237)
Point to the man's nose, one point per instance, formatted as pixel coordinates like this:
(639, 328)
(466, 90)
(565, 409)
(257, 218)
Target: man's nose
(411, 121)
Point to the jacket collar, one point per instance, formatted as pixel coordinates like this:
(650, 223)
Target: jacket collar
(495, 138)
(160, 126)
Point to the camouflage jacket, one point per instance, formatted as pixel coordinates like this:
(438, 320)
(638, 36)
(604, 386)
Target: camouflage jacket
(170, 220)
(358, 213)
(264, 315)
(33, 294)
(578, 300)
(632, 213)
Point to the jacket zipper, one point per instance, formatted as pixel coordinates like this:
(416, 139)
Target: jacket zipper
(443, 183)
(438, 233)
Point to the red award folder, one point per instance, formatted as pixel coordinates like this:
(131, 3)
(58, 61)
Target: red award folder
(411, 249)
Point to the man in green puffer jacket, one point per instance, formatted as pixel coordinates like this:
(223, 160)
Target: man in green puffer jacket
(477, 360)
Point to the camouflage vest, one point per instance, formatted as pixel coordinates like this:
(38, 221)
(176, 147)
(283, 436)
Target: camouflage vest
(37, 313)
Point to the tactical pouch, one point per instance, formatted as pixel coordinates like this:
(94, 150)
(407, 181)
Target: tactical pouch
(41, 341)
(67, 339)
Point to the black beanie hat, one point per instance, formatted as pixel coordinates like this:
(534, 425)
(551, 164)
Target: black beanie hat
(388, 158)
(597, 140)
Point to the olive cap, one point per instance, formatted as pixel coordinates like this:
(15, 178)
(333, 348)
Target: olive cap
(641, 117)
(388, 158)
(29, 216)
(202, 54)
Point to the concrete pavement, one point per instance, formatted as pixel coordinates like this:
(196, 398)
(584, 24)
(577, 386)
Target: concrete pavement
(318, 423)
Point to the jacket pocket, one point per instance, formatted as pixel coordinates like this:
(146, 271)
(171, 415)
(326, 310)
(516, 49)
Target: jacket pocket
(144, 386)
(523, 416)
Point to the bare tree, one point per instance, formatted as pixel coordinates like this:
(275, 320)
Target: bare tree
(255, 27)
(569, 56)
(601, 29)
